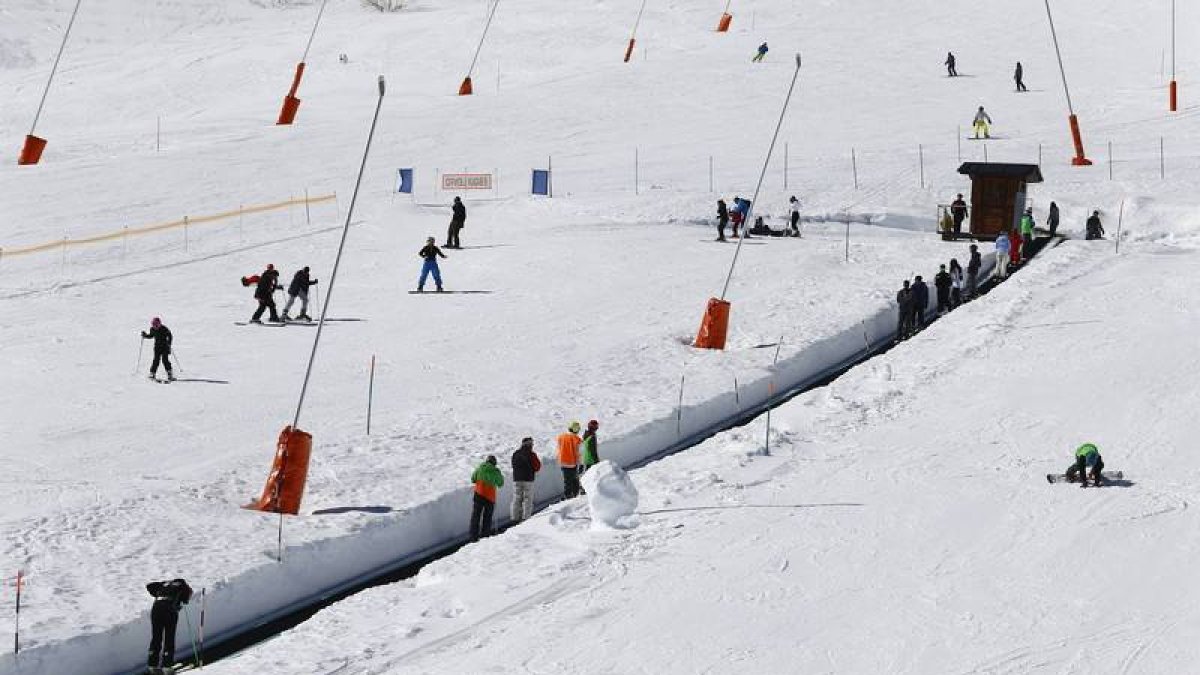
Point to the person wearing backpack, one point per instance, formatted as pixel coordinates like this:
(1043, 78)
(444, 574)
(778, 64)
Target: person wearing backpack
(525, 465)
(169, 597)
(487, 478)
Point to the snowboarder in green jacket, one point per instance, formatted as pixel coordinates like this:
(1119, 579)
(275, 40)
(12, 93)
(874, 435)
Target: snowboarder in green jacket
(486, 478)
(1087, 456)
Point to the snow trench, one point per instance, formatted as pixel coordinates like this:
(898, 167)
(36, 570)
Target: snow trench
(314, 574)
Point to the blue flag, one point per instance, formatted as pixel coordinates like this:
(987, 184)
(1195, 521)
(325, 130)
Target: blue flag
(541, 182)
(406, 181)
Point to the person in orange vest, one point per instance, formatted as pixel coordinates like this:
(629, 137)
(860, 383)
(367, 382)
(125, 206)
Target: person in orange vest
(568, 460)
(486, 478)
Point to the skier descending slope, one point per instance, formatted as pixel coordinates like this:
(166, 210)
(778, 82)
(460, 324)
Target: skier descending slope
(430, 253)
(162, 347)
(762, 52)
(982, 124)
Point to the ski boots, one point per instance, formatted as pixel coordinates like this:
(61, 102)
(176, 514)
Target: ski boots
(304, 317)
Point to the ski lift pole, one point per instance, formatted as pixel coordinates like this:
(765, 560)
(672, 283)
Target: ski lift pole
(633, 34)
(747, 218)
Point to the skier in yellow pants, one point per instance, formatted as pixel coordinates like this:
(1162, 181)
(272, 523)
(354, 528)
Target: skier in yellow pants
(982, 123)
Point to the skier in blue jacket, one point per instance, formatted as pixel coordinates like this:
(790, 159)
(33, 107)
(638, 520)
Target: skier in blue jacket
(762, 51)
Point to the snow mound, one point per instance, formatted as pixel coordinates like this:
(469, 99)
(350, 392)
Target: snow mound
(612, 497)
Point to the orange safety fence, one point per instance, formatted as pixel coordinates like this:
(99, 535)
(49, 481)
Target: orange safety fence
(147, 229)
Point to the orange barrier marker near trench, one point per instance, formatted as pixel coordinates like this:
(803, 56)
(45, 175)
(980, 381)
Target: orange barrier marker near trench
(289, 473)
(31, 152)
(723, 24)
(465, 88)
(291, 104)
(629, 49)
(714, 326)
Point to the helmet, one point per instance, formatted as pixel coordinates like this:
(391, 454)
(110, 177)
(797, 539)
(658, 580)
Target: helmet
(156, 322)
(593, 425)
(573, 427)
(270, 266)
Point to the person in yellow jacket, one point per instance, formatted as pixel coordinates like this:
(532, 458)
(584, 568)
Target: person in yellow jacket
(568, 460)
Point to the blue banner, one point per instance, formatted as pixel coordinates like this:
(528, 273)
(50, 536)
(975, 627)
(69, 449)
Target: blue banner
(406, 181)
(541, 182)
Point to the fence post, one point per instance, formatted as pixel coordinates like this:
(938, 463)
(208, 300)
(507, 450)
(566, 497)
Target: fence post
(17, 620)
(679, 408)
(64, 252)
(124, 240)
(636, 162)
(1162, 164)
(1039, 155)
(785, 166)
(854, 166)
(737, 396)
(710, 173)
(960, 145)
(370, 394)
(158, 133)
(185, 234)
(1110, 161)
(985, 157)
(770, 394)
(1120, 218)
(921, 162)
(307, 215)
(847, 236)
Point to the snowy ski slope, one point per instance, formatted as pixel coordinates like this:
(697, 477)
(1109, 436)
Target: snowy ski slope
(113, 481)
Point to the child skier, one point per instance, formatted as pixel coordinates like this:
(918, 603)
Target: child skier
(162, 347)
(430, 254)
(762, 51)
(169, 597)
(299, 289)
(486, 478)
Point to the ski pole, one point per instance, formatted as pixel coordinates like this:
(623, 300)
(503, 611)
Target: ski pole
(187, 614)
(177, 361)
(141, 347)
(203, 607)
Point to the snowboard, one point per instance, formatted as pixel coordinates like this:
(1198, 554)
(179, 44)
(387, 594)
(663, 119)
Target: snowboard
(1062, 477)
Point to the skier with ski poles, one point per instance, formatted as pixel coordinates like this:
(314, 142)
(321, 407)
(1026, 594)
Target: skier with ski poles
(298, 288)
(264, 293)
(951, 65)
(762, 52)
(722, 219)
(169, 597)
(162, 348)
(430, 253)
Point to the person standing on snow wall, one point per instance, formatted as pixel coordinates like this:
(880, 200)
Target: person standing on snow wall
(162, 347)
(457, 222)
(264, 293)
(762, 52)
(942, 282)
(430, 253)
(486, 478)
(973, 267)
(169, 597)
(299, 289)
(1003, 246)
(568, 460)
(525, 465)
(982, 124)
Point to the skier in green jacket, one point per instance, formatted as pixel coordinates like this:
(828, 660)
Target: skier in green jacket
(486, 478)
(1026, 234)
(1087, 456)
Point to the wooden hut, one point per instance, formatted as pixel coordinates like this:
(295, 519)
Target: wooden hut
(997, 195)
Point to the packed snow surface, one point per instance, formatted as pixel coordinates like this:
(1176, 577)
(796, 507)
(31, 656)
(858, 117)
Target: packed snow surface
(900, 523)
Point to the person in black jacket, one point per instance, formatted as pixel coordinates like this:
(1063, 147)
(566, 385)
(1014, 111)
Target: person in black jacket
(525, 465)
(162, 347)
(920, 296)
(299, 289)
(951, 65)
(904, 304)
(958, 210)
(973, 266)
(722, 219)
(430, 253)
(264, 292)
(1019, 77)
(941, 281)
(457, 222)
(169, 597)
(1094, 229)
(1052, 218)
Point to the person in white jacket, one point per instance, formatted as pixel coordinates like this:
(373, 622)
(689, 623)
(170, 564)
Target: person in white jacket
(957, 283)
(982, 123)
(795, 204)
(1003, 247)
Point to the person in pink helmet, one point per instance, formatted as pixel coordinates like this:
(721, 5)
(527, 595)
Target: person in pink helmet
(162, 347)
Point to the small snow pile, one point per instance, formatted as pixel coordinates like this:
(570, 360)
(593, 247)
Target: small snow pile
(612, 497)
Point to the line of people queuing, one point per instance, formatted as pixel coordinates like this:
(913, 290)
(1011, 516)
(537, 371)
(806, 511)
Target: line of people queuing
(952, 286)
(576, 454)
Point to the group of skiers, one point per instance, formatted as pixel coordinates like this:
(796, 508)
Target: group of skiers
(741, 208)
(266, 283)
(982, 122)
(576, 454)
